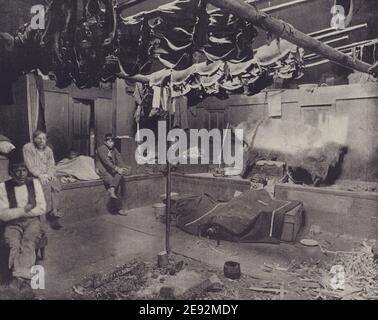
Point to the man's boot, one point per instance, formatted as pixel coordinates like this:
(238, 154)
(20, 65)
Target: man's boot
(54, 221)
(112, 193)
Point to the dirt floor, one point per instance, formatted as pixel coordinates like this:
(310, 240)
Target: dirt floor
(194, 280)
(115, 257)
(186, 278)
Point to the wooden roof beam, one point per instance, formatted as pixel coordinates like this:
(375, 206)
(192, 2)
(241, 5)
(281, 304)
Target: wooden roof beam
(289, 33)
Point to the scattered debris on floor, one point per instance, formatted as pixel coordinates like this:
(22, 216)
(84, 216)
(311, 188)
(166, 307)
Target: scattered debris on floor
(375, 253)
(345, 275)
(315, 229)
(340, 275)
(115, 285)
(183, 278)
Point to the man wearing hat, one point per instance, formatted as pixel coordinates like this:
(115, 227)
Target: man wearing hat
(110, 165)
(22, 202)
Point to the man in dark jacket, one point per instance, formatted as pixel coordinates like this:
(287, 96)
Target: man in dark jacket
(110, 165)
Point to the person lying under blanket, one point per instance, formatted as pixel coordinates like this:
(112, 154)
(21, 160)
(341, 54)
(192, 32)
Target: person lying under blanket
(76, 167)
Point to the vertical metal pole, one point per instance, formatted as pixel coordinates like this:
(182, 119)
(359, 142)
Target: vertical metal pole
(168, 191)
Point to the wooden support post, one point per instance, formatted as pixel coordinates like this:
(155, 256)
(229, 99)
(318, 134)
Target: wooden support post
(145, 79)
(289, 33)
(169, 190)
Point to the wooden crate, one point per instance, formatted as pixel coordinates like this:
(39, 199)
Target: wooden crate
(269, 169)
(293, 223)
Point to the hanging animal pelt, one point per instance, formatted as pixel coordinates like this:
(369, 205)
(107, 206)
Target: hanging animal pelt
(310, 155)
(74, 47)
(86, 42)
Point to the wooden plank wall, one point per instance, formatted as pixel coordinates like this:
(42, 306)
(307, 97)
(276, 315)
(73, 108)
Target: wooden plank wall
(60, 114)
(349, 112)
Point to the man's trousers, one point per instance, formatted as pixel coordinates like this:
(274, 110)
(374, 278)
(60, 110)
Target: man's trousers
(111, 181)
(20, 236)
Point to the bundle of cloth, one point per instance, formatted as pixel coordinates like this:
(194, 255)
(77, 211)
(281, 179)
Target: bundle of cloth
(6, 146)
(78, 168)
(253, 216)
(311, 157)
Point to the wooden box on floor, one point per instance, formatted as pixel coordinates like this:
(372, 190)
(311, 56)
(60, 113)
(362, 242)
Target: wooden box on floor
(269, 169)
(293, 223)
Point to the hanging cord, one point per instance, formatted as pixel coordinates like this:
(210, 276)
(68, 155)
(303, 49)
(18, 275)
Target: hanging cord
(254, 134)
(224, 140)
(266, 116)
(207, 243)
(362, 52)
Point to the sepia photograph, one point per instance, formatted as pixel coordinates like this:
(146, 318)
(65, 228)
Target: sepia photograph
(189, 156)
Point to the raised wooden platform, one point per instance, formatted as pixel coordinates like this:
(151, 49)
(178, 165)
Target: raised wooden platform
(86, 199)
(335, 210)
(82, 200)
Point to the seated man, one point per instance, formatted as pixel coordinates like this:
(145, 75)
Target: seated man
(110, 165)
(22, 202)
(39, 159)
